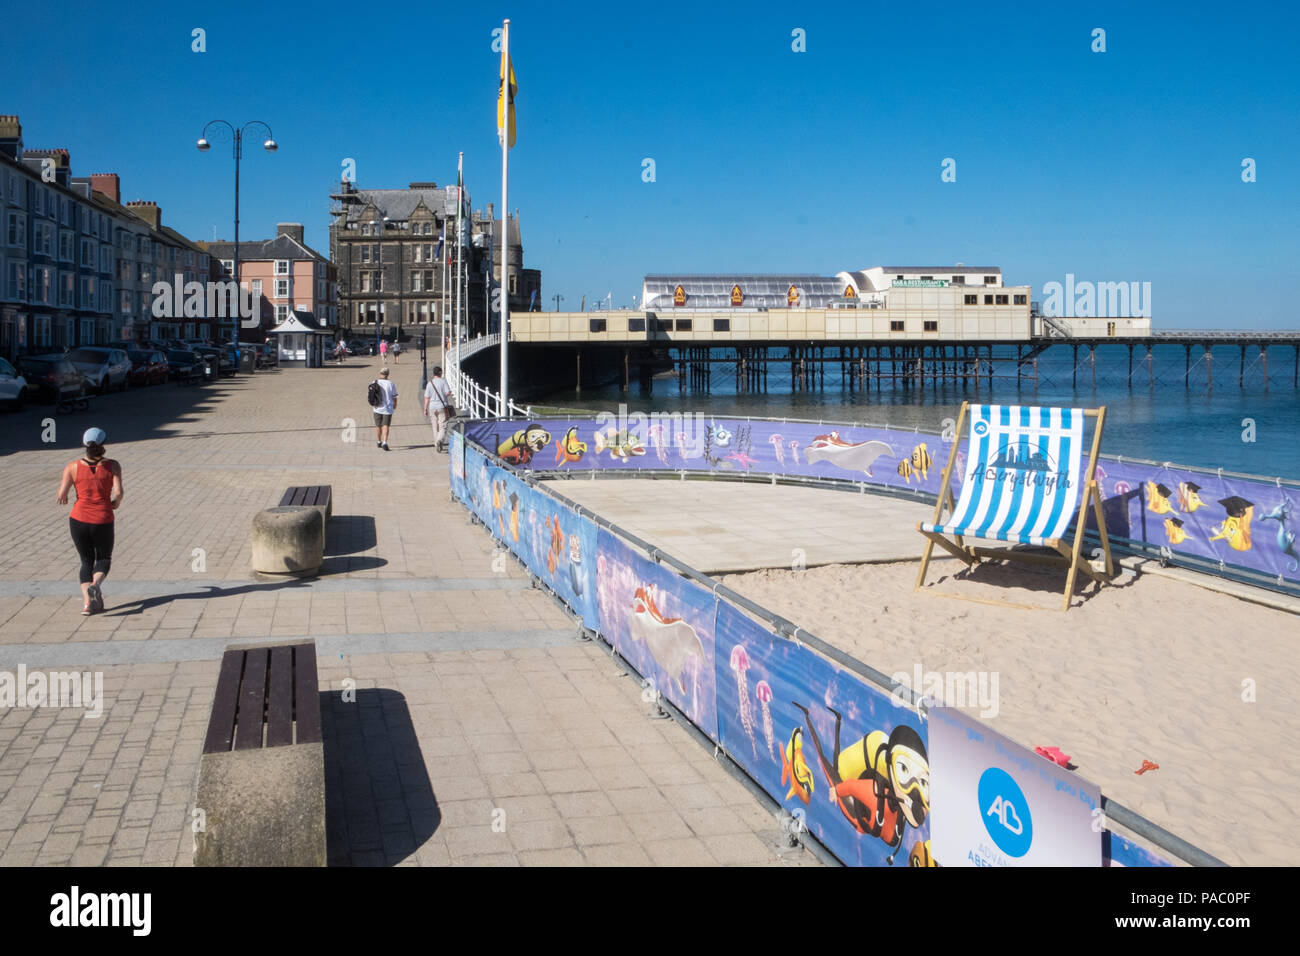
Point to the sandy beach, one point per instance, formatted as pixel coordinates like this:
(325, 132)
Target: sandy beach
(1148, 669)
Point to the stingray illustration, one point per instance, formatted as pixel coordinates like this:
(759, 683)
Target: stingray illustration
(851, 456)
(670, 640)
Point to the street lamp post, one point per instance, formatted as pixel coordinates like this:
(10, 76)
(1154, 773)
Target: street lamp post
(379, 286)
(558, 299)
(237, 134)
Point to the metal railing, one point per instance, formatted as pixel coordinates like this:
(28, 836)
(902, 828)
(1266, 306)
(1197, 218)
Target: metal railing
(472, 399)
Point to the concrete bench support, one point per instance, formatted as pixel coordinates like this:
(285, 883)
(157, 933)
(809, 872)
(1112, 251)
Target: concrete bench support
(262, 773)
(288, 540)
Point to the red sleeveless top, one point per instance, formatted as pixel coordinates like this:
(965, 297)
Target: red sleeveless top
(94, 489)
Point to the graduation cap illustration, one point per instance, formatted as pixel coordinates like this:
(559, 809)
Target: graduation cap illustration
(1191, 486)
(1236, 506)
(1176, 522)
(1164, 490)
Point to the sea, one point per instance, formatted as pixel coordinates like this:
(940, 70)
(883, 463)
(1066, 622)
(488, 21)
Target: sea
(1211, 421)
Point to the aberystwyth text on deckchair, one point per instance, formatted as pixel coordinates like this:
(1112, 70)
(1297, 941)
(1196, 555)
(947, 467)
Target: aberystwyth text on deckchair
(1025, 483)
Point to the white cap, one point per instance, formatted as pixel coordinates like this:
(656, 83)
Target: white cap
(94, 436)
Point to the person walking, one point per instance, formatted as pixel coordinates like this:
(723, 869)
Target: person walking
(341, 350)
(385, 410)
(383, 351)
(439, 391)
(98, 481)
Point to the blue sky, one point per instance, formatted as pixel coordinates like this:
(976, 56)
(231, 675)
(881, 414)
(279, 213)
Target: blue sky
(1115, 166)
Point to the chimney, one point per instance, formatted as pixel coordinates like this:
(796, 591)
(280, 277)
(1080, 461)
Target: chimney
(107, 184)
(148, 211)
(11, 137)
(492, 212)
(36, 160)
(293, 230)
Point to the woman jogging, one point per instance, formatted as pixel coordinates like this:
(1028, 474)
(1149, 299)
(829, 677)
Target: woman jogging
(98, 481)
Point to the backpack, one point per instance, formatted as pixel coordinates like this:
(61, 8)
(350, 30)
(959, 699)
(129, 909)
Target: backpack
(374, 394)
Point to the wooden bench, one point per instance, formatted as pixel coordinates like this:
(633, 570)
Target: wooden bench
(262, 772)
(311, 496)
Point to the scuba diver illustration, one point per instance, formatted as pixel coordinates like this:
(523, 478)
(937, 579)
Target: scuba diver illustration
(881, 785)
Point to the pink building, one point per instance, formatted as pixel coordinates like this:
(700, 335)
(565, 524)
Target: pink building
(286, 276)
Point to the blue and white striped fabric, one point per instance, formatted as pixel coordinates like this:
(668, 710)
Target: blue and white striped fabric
(1023, 469)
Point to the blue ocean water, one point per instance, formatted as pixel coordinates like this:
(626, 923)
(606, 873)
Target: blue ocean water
(1252, 427)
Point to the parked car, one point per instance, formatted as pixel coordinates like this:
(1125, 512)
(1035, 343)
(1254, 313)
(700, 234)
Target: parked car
(13, 386)
(361, 348)
(104, 368)
(185, 366)
(148, 367)
(268, 355)
(51, 378)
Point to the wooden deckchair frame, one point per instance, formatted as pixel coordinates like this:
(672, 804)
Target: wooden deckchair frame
(1068, 552)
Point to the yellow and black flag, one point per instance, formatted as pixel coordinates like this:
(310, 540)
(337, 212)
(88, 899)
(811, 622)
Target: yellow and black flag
(505, 106)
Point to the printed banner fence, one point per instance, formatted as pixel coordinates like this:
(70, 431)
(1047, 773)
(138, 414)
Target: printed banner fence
(1235, 525)
(849, 760)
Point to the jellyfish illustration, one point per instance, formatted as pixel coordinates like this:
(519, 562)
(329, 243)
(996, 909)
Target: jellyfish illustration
(778, 448)
(740, 664)
(764, 694)
(794, 450)
(657, 433)
(680, 438)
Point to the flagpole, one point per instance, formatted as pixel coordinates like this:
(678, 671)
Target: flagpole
(444, 255)
(505, 220)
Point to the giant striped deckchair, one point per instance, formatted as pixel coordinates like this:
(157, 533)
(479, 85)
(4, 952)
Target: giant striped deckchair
(1025, 483)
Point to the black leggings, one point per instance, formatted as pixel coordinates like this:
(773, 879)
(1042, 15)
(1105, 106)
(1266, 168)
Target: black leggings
(95, 545)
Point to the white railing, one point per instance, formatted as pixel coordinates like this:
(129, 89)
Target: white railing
(472, 399)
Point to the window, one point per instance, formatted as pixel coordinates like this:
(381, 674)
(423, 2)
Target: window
(87, 253)
(379, 282)
(722, 325)
(256, 288)
(988, 300)
(927, 278)
(18, 281)
(428, 280)
(41, 240)
(18, 229)
(514, 283)
(281, 288)
(87, 292)
(365, 282)
(428, 228)
(990, 280)
(68, 290)
(596, 325)
(417, 281)
(931, 326)
(365, 253)
(43, 290)
(424, 306)
(970, 300)
(281, 313)
(683, 325)
(105, 259)
(105, 296)
(282, 267)
(365, 229)
(127, 300)
(144, 303)
(65, 245)
(42, 330)
(228, 266)
(1020, 300)
(1000, 300)
(374, 252)
(189, 257)
(895, 325)
(638, 325)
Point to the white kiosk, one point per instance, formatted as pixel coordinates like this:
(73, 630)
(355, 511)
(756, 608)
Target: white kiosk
(300, 341)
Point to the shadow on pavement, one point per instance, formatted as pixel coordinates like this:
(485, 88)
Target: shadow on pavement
(379, 803)
(350, 534)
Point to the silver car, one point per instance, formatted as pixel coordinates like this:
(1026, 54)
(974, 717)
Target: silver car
(13, 386)
(104, 368)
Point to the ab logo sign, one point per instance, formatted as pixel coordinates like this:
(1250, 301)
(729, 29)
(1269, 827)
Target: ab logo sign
(1006, 812)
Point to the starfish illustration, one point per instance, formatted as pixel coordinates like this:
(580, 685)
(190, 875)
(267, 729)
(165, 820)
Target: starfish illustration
(742, 458)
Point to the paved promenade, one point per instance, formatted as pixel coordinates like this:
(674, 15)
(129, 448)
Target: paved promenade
(474, 693)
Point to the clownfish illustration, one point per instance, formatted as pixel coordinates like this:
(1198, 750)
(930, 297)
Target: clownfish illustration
(1158, 498)
(1188, 499)
(514, 517)
(520, 447)
(921, 460)
(1174, 531)
(905, 470)
(920, 855)
(569, 448)
(1235, 528)
(575, 564)
(795, 770)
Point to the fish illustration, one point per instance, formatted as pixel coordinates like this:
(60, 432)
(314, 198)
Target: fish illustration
(620, 444)
(557, 544)
(520, 447)
(1285, 535)
(1188, 499)
(1235, 528)
(778, 448)
(570, 449)
(921, 460)
(1174, 531)
(1158, 498)
(850, 456)
(514, 516)
(719, 437)
(795, 770)
(905, 470)
(671, 641)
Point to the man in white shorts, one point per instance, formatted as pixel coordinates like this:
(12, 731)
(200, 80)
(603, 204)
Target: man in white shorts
(385, 410)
